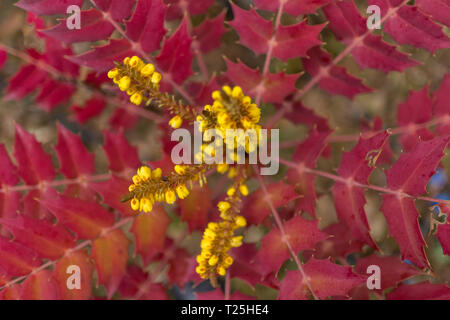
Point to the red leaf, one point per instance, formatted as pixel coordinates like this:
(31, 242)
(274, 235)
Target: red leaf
(410, 174)
(301, 234)
(149, 230)
(112, 191)
(91, 109)
(25, 81)
(81, 260)
(410, 26)
(347, 24)
(16, 259)
(110, 253)
(136, 285)
(298, 113)
(47, 7)
(393, 270)
(274, 88)
(255, 208)
(75, 160)
(209, 33)
(86, 219)
(146, 26)
(441, 107)
(3, 58)
(336, 80)
(49, 241)
(420, 291)
(438, 10)
(176, 57)
(415, 110)
(34, 165)
(39, 286)
(219, 295)
(176, 8)
(93, 27)
(289, 42)
(306, 156)
(357, 165)
(8, 171)
(443, 234)
(118, 9)
(101, 58)
(326, 279)
(121, 155)
(194, 209)
(52, 94)
(292, 7)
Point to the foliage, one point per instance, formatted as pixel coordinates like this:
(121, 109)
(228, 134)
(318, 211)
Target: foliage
(353, 191)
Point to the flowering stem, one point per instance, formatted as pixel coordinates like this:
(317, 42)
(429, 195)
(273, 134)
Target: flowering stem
(284, 236)
(227, 285)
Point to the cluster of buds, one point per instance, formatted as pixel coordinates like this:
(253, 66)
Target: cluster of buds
(136, 78)
(150, 186)
(218, 239)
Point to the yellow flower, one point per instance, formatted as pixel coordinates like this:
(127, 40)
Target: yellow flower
(144, 173)
(221, 271)
(236, 241)
(124, 83)
(156, 77)
(213, 260)
(113, 73)
(243, 190)
(180, 169)
(136, 98)
(147, 70)
(170, 196)
(231, 191)
(222, 168)
(240, 221)
(223, 206)
(237, 92)
(135, 204)
(135, 62)
(176, 122)
(156, 174)
(182, 191)
(145, 205)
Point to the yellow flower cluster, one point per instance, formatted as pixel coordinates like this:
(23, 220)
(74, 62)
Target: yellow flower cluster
(231, 109)
(136, 78)
(218, 239)
(149, 186)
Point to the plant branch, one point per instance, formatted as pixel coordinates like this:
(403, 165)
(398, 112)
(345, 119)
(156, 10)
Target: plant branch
(272, 42)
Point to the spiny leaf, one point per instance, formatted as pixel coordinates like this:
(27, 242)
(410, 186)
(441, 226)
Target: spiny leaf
(136, 285)
(47, 7)
(146, 26)
(39, 286)
(16, 259)
(410, 174)
(287, 42)
(326, 279)
(110, 253)
(292, 7)
(275, 87)
(357, 165)
(194, 209)
(420, 291)
(149, 231)
(121, 154)
(301, 234)
(73, 157)
(209, 33)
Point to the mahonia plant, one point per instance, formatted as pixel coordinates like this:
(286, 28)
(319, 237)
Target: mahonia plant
(358, 209)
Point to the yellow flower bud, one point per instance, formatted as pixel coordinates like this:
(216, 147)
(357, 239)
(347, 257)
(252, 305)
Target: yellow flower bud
(135, 62)
(147, 70)
(176, 122)
(134, 204)
(182, 191)
(216, 95)
(232, 173)
(156, 174)
(221, 271)
(131, 91)
(228, 261)
(124, 83)
(170, 196)
(136, 179)
(113, 73)
(200, 259)
(243, 190)
(180, 169)
(236, 241)
(227, 90)
(156, 77)
(144, 173)
(231, 191)
(136, 98)
(223, 206)
(126, 60)
(131, 187)
(213, 260)
(200, 270)
(237, 92)
(240, 221)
